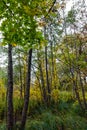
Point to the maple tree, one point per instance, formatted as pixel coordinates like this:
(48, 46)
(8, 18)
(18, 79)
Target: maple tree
(46, 53)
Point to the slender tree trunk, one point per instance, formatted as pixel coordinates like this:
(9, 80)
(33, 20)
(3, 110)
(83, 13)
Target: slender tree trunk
(47, 76)
(42, 80)
(83, 90)
(39, 83)
(52, 65)
(10, 90)
(76, 89)
(52, 40)
(81, 82)
(27, 93)
(21, 85)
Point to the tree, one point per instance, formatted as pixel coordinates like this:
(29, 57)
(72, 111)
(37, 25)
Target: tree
(21, 30)
(27, 92)
(10, 90)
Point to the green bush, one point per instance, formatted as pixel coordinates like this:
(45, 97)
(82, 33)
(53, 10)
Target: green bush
(3, 126)
(66, 96)
(35, 125)
(72, 122)
(18, 105)
(78, 110)
(49, 121)
(63, 106)
(46, 121)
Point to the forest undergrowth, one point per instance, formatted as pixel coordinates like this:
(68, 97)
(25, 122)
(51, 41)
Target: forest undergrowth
(64, 113)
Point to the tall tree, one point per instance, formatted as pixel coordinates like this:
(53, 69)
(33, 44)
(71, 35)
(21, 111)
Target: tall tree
(27, 92)
(10, 90)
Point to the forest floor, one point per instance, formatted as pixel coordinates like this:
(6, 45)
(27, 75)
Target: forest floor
(64, 114)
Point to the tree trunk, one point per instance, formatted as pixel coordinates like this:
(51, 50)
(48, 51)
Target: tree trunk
(27, 93)
(47, 76)
(52, 65)
(42, 81)
(83, 91)
(81, 82)
(75, 87)
(21, 85)
(10, 90)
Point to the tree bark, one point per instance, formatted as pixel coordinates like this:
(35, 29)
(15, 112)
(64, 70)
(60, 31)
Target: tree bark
(27, 92)
(10, 90)
(47, 76)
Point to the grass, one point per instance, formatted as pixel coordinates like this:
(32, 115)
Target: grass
(50, 121)
(64, 113)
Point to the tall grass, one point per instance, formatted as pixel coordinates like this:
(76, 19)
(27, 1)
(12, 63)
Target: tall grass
(49, 121)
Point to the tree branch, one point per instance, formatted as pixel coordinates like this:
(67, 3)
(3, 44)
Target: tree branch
(50, 9)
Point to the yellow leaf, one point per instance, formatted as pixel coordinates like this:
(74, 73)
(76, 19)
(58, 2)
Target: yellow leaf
(14, 45)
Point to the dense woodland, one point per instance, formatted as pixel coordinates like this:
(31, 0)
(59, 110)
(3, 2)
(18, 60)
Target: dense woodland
(43, 65)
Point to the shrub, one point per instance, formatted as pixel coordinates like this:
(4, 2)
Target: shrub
(72, 122)
(66, 96)
(46, 121)
(3, 126)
